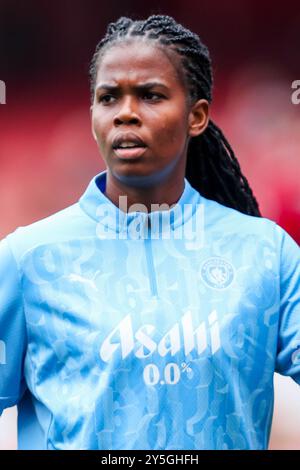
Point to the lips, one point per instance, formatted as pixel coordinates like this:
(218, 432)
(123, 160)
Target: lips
(130, 153)
(131, 137)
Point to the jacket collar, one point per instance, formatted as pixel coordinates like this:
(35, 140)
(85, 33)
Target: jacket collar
(95, 204)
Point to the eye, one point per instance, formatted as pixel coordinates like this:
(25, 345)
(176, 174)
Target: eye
(105, 99)
(151, 96)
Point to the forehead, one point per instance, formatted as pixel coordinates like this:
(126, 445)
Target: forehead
(137, 61)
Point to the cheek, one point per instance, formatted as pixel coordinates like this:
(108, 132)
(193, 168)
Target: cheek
(171, 131)
(100, 130)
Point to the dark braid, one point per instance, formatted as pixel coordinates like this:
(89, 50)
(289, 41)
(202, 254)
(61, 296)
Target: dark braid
(212, 168)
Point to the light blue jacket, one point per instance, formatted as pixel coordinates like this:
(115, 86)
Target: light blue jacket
(128, 330)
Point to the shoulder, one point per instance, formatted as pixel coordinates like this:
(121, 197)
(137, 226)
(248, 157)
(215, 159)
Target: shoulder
(230, 223)
(217, 214)
(59, 227)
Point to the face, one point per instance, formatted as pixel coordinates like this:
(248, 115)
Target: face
(140, 100)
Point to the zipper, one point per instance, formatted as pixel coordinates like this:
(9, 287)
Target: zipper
(150, 262)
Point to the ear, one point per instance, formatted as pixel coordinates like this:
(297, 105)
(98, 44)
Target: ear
(92, 127)
(198, 118)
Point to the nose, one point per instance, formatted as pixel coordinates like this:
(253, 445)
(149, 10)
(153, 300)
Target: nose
(127, 113)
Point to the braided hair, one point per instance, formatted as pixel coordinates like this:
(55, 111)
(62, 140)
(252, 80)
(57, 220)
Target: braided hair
(212, 167)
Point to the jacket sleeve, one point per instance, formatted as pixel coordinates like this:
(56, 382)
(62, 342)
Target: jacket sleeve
(288, 345)
(12, 330)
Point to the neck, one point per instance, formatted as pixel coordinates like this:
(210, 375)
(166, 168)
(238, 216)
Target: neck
(167, 192)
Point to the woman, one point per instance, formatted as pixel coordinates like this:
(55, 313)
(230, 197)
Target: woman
(152, 313)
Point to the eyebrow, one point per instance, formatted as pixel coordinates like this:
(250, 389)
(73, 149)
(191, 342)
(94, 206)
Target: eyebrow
(142, 86)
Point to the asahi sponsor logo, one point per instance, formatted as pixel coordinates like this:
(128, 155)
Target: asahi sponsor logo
(183, 334)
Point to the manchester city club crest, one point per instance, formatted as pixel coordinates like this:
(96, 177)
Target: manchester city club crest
(217, 272)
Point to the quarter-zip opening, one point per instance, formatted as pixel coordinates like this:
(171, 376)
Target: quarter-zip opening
(149, 260)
